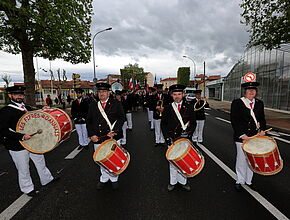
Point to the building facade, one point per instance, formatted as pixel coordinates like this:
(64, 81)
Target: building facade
(272, 69)
(168, 82)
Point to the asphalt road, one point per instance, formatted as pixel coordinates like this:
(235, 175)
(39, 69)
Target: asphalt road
(143, 186)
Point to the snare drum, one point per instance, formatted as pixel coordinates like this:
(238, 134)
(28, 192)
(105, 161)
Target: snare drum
(112, 157)
(185, 157)
(263, 155)
(55, 126)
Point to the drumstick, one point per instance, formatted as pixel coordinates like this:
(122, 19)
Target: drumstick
(39, 131)
(258, 135)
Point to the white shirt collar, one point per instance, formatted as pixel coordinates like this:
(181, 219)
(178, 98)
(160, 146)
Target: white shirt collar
(18, 104)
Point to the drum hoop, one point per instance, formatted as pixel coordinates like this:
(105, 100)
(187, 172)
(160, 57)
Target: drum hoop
(182, 155)
(67, 116)
(24, 144)
(98, 149)
(125, 165)
(267, 137)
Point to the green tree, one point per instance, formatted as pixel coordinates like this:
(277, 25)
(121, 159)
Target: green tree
(269, 22)
(183, 75)
(46, 28)
(132, 71)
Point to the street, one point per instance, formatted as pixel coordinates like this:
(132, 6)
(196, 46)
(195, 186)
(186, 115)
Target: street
(143, 186)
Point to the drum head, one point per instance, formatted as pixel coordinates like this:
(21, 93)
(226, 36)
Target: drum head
(259, 145)
(34, 121)
(178, 149)
(104, 150)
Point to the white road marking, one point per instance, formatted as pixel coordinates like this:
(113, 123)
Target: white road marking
(15, 207)
(272, 209)
(3, 173)
(284, 134)
(224, 120)
(281, 139)
(75, 152)
(274, 133)
(206, 113)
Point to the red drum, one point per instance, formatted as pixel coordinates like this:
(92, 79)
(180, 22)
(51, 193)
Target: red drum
(49, 128)
(185, 157)
(263, 155)
(112, 157)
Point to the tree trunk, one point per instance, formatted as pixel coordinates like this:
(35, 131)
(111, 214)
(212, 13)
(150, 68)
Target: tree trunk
(29, 75)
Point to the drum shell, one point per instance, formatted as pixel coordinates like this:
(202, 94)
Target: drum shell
(116, 161)
(269, 163)
(64, 121)
(191, 162)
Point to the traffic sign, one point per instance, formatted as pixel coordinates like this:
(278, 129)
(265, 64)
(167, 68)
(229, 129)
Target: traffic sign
(250, 77)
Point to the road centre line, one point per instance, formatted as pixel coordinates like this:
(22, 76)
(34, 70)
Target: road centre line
(281, 133)
(206, 113)
(272, 209)
(9, 212)
(224, 120)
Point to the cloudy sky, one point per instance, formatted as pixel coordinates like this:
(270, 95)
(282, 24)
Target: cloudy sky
(155, 34)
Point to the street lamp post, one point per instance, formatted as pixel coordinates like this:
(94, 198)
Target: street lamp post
(194, 66)
(107, 29)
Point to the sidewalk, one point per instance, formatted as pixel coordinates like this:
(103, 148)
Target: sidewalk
(275, 119)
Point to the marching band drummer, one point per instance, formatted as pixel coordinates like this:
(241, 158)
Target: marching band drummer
(79, 112)
(9, 116)
(178, 121)
(248, 119)
(199, 105)
(105, 120)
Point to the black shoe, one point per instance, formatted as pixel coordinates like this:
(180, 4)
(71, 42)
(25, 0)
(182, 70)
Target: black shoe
(100, 185)
(33, 193)
(162, 144)
(115, 185)
(55, 179)
(253, 187)
(238, 187)
(157, 144)
(80, 147)
(170, 187)
(130, 129)
(152, 129)
(186, 187)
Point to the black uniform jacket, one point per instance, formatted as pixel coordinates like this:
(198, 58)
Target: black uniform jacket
(9, 117)
(242, 121)
(165, 101)
(170, 125)
(127, 103)
(97, 125)
(79, 112)
(200, 114)
(151, 101)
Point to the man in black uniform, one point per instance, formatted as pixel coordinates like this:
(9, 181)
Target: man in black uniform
(173, 129)
(9, 116)
(79, 112)
(160, 101)
(127, 101)
(248, 119)
(100, 130)
(198, 106)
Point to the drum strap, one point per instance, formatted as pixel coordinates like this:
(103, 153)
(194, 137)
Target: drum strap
(247, 104)
(14, 106)
(111, 126)
(179, 116)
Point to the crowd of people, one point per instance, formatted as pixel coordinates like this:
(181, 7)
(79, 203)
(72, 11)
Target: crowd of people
(108, 115)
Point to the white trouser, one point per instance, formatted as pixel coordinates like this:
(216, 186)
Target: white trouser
(105, 175)
(129, 120)
(176, 176)
(82, 134)
(159, 139)
(244, 173)
(151, 119)
(21, 161)
(124, 128)
(148, 114)
(197, 135)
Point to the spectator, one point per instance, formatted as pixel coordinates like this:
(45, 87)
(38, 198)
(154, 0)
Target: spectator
(48, 101)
